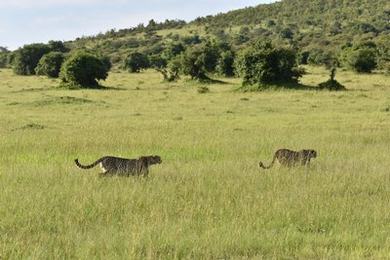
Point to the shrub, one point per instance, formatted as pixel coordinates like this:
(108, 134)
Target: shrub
(3, 59)
(171, 71)
(136, 61)
(191, 40)
(50, 64)
(362, 60)
(27, 58)
(286, 33)
(319, 57)
(303, 57)
(193, 63)
(83, 69)
(157, 61)
(210, 55)
(199, 60)
(4, 52)
(57, 46)
(10, 59)
(225, 65)
(172, 50)
(263, 64)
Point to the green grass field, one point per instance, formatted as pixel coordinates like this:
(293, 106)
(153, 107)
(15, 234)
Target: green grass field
(208, 199)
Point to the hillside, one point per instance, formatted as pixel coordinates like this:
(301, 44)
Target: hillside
(326, 22)
(307, 25)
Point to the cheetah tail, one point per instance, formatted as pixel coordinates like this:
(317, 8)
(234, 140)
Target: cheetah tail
(261, 165)
(87, 166)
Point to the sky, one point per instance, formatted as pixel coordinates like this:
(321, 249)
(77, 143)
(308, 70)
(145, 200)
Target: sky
(31, 21)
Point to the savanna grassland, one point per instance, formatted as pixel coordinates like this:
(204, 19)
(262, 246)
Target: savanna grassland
(208, 199)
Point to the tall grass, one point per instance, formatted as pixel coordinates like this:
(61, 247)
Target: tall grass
(208, 199)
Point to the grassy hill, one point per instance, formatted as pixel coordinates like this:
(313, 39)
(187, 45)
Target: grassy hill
(319, 24)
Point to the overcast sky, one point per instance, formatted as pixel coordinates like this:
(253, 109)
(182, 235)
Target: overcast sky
(30, 21)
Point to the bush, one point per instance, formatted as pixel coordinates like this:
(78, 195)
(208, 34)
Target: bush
(199, 60)
(286, 33)
(362, 60)
(157, 61)
(83, 69)
(172, 50)
(57, 46)
(210, 55)
(50, 64)
(136, 61)
(303, 57)
(318, 57)
(225, 65)
(10, 59)
(171, 71)
(193, 63)
(26, 59)
(3, 59)
(263, 64)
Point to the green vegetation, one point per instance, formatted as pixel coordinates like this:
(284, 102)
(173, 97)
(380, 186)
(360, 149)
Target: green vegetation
(317, 28)
(362, 60)
(263, 64)
(354, 33)
(170, 71)
(193, 63)
(83, 69)
(27, 58)
(4, 52)
(208, 199)
(50, 64)
(136, 62)
(225, 65)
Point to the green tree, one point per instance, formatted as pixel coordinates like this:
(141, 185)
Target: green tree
(157, 61)
(211, 51)
(172, 50)
(27, 58)
(172, 70)
(362, 60)
(303, 57)
(193, 63)
(57, 46)
(225, 65)
(136, 61)
(286, 33)
(263, 64)
(4, 52)
(50, 64)
(319, 57)
(83, 69)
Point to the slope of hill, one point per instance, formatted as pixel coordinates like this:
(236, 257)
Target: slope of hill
(327, 22)
(324, 25)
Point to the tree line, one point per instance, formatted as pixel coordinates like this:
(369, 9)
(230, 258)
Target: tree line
(263, 44)
(260, 63)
